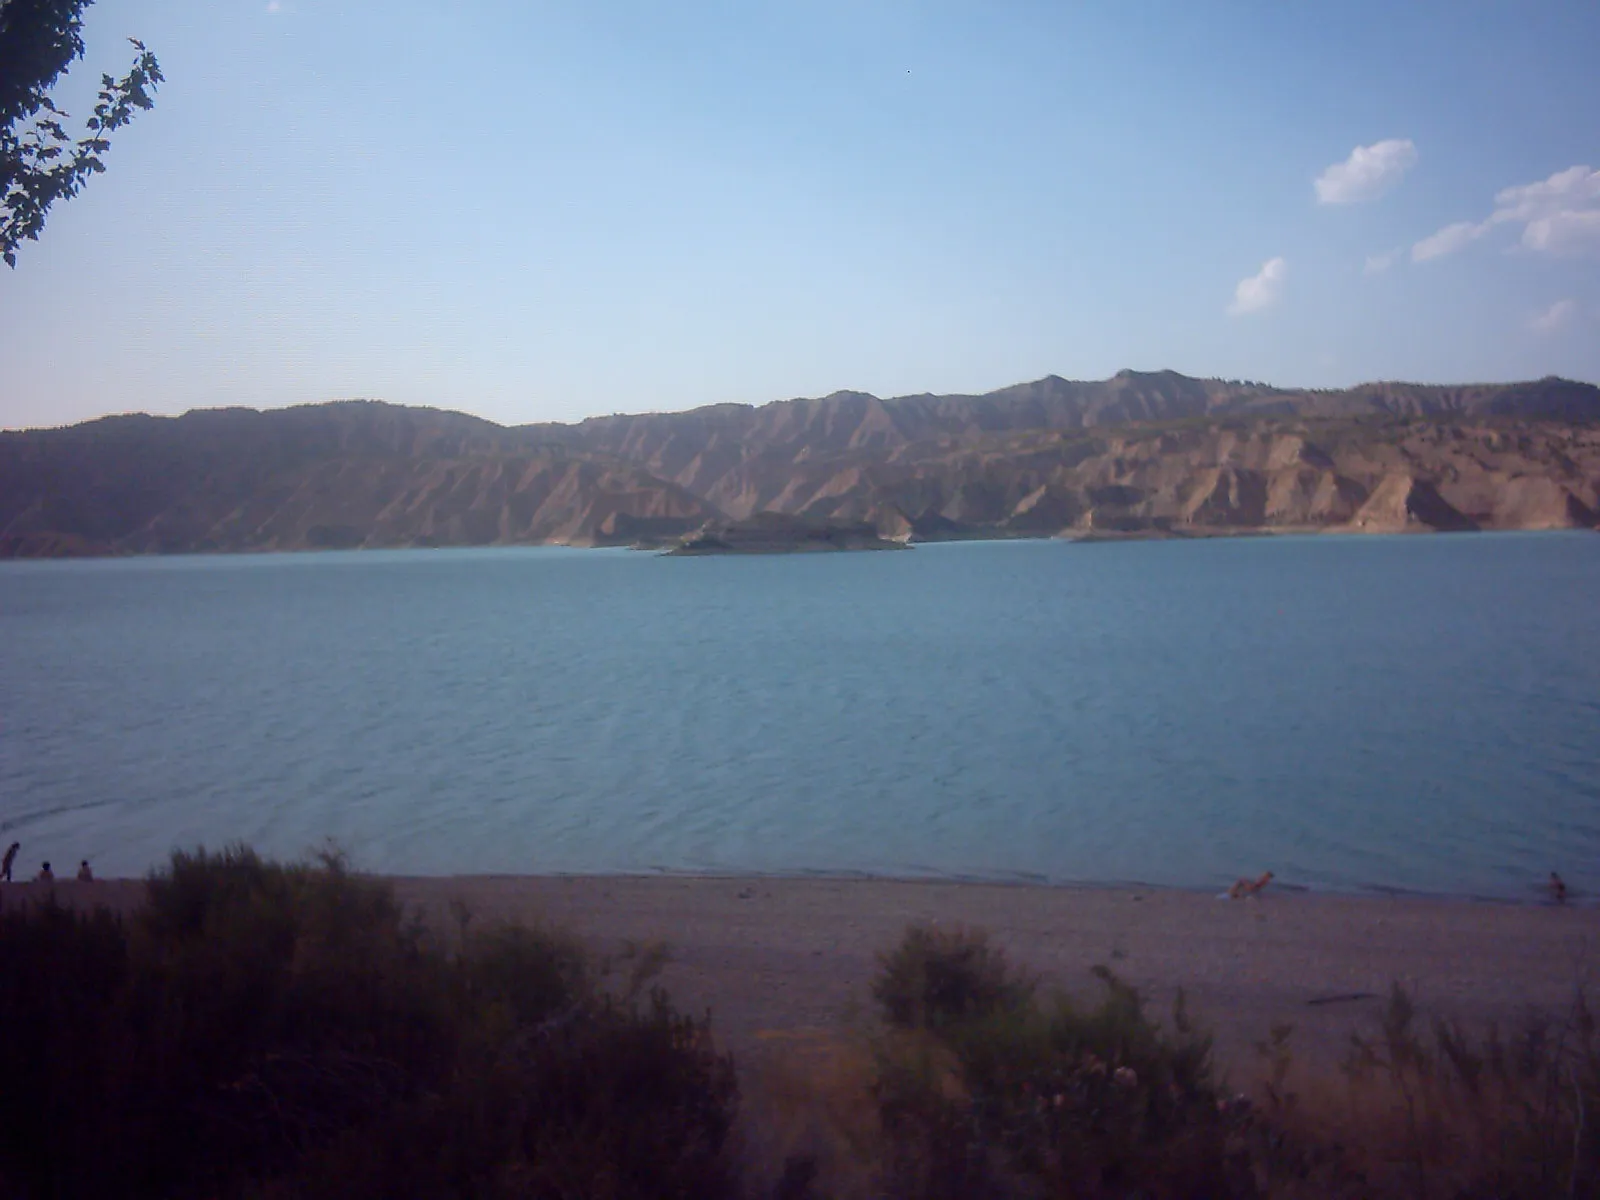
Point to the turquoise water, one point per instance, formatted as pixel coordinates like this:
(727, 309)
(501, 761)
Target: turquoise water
(1417, 713)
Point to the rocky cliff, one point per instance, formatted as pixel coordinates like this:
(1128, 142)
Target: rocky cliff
(1138, 453)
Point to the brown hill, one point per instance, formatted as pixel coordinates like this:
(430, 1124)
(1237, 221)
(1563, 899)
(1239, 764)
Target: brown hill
(1136, 453)
(1230, 475)
(740, 457)
(337, 475)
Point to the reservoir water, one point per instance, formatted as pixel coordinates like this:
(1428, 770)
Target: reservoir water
(1417, 713)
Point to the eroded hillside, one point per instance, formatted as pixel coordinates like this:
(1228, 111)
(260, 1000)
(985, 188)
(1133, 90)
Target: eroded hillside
(1232, 476)
(1138, 453)
(327, 476)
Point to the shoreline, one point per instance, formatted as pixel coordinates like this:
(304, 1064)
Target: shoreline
(1068, 535)
(784, 964)
(1576, 898)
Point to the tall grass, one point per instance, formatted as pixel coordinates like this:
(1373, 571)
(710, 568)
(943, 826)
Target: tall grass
(1465, 1115)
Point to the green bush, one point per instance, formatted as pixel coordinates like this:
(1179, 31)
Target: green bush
(270, 1030)
(984, 1089)
(937, 978)
(605, 1102)
(59, 974)
(992, 1093)
(519, 977)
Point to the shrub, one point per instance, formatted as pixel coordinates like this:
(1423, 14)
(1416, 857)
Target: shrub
(937, 978)
(59, 973)
(521, 977)
(261, 1029)
(985, 1091)
(608, 1102)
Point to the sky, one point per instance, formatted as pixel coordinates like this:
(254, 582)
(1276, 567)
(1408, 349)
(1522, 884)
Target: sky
(545, 210)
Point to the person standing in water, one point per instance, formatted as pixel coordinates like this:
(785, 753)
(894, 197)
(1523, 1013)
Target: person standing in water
(46, 875)
(84, 874)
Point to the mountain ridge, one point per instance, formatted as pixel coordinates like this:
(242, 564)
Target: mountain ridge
(1140, 452)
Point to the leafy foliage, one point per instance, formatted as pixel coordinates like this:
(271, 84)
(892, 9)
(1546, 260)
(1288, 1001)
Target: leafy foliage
(937, 978)
(985, 1090)
(40, 162)
(269, 1030)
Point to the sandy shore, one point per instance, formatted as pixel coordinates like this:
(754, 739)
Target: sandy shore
(780, 961)
(784, 959)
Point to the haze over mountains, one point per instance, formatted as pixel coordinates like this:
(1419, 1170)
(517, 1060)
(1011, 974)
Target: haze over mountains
(1138, 453)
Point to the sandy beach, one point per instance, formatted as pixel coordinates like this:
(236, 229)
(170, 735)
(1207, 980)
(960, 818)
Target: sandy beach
(782, 961)
(779, 959)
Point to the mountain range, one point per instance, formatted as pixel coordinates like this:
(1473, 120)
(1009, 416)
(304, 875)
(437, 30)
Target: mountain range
(1138, 454)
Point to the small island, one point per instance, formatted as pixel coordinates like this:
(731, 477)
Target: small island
(781, 533)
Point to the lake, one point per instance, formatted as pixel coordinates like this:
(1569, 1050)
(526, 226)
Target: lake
(1415, 713)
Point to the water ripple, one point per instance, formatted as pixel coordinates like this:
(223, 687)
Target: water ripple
(1371, 714)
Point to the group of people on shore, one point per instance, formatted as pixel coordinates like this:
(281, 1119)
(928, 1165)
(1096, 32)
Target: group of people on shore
(45, 875)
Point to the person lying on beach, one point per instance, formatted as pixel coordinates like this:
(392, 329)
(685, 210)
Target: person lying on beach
(1249, 887)
(10, 858)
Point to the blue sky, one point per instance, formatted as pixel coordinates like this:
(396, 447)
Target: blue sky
(542, 211)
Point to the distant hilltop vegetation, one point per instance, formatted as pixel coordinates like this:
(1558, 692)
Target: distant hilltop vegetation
(1135, 455)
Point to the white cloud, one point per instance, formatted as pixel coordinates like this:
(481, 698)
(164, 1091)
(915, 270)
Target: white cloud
(1261, 290)
(274, 7)
(1565, 234)
(1555, 318)
(1377, 264)
(1576, 187)
(1560, 216)
(1368, 173)
(1448, 240)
